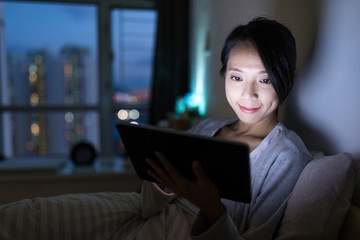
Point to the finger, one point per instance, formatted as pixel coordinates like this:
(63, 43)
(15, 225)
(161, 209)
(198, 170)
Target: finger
(154, 165)
(155, 176)
(151, 172)
(197, 168)
(160, 180)
(199, 172)
(160, 173)
(171, 170)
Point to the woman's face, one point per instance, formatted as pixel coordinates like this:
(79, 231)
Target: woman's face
(247, 85)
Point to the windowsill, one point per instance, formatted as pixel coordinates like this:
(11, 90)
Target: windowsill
(20, 179)
(37, 166)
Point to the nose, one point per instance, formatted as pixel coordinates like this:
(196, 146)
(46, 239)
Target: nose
(250, 91)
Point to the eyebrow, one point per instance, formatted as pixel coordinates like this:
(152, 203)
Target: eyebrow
(239, 70)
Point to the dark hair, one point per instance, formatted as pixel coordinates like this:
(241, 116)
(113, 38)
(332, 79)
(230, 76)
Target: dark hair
(276, 47)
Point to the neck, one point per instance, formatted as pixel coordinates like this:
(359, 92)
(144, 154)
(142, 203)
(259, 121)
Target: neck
(259, 130)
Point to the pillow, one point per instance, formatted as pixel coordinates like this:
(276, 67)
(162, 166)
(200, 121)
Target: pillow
(321, 199)
(71, 216)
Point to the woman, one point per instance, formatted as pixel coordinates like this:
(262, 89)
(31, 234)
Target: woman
(258, 67)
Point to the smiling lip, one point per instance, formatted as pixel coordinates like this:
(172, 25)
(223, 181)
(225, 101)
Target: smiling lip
(248, 110)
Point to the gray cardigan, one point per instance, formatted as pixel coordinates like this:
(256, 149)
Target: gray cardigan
(275, 167)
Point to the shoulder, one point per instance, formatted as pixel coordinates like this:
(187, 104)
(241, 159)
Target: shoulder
(282, 157)
(283, 146)
(290, 140)
(286, 144)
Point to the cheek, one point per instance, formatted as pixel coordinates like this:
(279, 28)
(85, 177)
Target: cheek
(229, 91)
(272, 100)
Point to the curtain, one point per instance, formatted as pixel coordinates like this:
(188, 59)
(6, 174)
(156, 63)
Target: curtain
(171, 70)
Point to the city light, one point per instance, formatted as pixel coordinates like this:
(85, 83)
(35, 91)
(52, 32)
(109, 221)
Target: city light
(32, 69)
(32, 77)
(67, 70)
(69, 117)
(125, 114)
(134, 114)
(35, 129)
(34, 99)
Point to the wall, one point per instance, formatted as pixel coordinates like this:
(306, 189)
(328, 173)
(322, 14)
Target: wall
(211, 21)
(328, 101)
(324, 106)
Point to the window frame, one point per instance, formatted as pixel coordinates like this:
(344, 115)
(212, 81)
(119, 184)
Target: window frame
(105, 104)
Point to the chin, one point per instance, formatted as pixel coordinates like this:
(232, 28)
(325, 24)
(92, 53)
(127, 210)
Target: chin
(247, 119)
(250, 118)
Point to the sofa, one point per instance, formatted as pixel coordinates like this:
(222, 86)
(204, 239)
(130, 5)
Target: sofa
(325, 204)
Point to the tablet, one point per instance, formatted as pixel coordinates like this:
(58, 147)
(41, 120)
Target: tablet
(226, 163)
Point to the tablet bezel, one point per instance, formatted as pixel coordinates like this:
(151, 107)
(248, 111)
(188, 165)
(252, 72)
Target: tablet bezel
(225, 162)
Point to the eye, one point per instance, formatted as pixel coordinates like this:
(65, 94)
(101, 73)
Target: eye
(235, 78)
(265, 80)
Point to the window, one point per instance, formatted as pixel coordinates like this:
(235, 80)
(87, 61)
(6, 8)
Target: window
(52, 91)
(133, 42)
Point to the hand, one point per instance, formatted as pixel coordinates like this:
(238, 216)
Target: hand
(202, 192)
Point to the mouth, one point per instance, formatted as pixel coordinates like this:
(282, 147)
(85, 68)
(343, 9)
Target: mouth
(248, 110)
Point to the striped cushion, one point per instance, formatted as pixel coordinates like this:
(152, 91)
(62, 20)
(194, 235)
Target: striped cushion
(72, 216)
